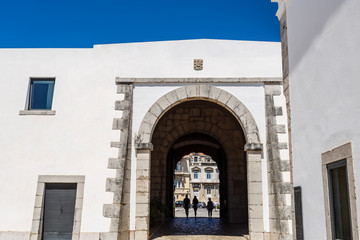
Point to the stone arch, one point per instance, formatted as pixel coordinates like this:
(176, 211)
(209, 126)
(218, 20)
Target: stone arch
(252, 149)
(201, 92)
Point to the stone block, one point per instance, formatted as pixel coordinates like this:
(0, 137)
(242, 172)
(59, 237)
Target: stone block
(141, 223)
(255, 187)
(277, 111)
(253, 147)
(142, 197)
(111, 210)
(118, 145)
(163, 103)
(150, 119)
(256, 235)
(281, 212)
(204, 91)
(143, 164)
(256, 211)
(256, 225)
(89, 236)
(120, 124)
(114, 185)
(280, 128)
(141, 235)
(191, 91)
(37, 213)
(255, 176)
(39, 201)
(40, 188)
(78, 210)
(124, 88)
(272, 89)
(108, 236)
(35, 226)
(255, 199)
(142, 186)
(214, 93)
(224, 97)
(143, 174)
(171, 97)
(116, 163)
(80, 190)
(123, 105)
(181, 93)
(142, 210)
(155, 110)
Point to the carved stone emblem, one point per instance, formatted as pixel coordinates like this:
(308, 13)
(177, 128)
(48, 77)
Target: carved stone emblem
(198, 64)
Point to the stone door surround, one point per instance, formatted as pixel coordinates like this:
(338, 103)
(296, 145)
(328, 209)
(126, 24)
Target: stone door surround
(253, 149)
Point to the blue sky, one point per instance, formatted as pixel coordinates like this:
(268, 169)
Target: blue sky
(84, 23)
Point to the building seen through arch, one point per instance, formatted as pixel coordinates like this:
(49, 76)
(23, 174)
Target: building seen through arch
(196, 174)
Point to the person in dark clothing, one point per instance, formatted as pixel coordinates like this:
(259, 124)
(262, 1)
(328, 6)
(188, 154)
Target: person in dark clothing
(186, 205)
(210, 207)
(195, 204)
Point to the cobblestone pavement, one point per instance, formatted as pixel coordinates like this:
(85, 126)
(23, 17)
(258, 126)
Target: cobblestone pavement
(201, 212)
(201, 228)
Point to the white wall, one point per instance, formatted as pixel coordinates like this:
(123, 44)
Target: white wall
(324, 55)
(76, 141)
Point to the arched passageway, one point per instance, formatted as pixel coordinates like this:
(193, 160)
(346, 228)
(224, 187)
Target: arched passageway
(201, 126)
(222, 128)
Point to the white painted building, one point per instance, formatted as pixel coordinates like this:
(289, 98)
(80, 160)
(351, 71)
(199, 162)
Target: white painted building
(77, 138)
(321, 52)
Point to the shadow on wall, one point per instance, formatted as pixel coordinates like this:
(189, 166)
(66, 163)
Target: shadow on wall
(306, 20)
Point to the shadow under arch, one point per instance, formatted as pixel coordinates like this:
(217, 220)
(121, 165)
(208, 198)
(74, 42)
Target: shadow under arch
(194, 111)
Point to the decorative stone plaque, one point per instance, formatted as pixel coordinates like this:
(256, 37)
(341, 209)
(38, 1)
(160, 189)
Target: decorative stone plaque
(198, 64)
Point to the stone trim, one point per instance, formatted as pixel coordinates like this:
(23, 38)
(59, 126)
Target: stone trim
(282, 6)
(119, 185)
(196, 80)
(343, 152)
(279, 175)
(205, 92)
(36, 227)
(37, 112)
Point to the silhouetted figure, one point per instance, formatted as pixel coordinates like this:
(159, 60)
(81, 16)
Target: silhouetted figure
(210, 207)
(195, 204)
(186, 205)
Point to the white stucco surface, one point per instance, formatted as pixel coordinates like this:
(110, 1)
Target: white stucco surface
(76, 141)
(324, 83)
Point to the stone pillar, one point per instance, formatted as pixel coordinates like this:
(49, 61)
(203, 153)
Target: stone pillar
(255, 193)
(279, 169)
(142, 215)
(119, 210)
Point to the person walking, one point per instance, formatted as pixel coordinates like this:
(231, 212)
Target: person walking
(216, 205)
(195, 204)
(186, 205)
(210, 207)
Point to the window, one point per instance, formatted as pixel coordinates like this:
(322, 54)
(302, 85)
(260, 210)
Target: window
(208, 175)
(339, 193)
(178, 167)
(195, 174)
(339, 200)
(41, 93)
(195, 159)
(208, 190)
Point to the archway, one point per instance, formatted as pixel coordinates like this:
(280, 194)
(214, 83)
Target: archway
(204, 119)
